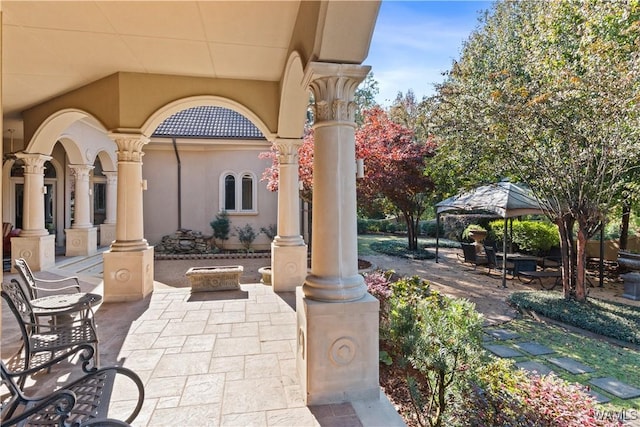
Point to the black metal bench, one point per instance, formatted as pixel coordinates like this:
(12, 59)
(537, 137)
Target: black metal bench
(83, 402)
(528, 277)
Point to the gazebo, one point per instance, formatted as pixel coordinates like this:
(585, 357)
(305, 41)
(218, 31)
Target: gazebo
(504, 199)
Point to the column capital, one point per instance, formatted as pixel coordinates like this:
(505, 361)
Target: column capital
(129, 146)
(81, 172)
(112, 176)
(288, 150)
(333, 86)
(33, 162)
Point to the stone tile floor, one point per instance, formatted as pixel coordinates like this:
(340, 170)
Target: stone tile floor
(208, 359)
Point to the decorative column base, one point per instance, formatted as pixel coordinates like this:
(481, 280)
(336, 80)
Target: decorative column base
(288, 267)
(81, 241)
(38, 251)
(337, 349)
(107, 234)
(128, 276)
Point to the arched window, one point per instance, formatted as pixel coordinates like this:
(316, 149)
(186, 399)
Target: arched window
(238, 192)
(230, 193)
(247, 192)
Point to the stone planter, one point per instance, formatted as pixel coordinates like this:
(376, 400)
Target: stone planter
(478, 236)
(266, 275)
(631, 262)
(223, 278)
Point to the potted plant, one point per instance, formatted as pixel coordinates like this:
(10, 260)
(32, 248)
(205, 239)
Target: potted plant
(477, 233)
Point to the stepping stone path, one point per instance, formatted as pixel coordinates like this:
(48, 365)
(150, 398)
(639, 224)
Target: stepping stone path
(534, 367)
(573, 366)
(615, 387)
(503, 334)
(502, 350)
(532, 348)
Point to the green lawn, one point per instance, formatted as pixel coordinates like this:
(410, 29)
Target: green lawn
(607, 359)
(365, 241)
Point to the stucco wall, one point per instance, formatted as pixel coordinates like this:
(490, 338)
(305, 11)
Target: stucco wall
(202, 163)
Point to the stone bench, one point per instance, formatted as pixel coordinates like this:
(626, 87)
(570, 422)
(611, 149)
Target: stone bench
(223, 278)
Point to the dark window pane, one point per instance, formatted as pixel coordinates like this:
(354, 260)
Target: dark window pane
(247, 193)
(229, 193)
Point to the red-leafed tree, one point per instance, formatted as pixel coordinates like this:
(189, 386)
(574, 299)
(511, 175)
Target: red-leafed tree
(394, 169)
(305, 167)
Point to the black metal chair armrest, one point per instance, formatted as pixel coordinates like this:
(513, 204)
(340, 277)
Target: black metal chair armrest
(91, 394)
(61, 290)
(85, 355)
(62, 400)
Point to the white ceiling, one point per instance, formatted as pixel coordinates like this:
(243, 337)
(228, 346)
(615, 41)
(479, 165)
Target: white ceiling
(52, 47)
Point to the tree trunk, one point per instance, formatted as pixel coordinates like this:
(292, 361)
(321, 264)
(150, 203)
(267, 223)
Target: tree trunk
(412, 236)
(624, 227)
(564, 224)
(581, 263)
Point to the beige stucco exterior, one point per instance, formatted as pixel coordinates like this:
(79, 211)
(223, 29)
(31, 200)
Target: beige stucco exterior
(203, 164)
(97, 77)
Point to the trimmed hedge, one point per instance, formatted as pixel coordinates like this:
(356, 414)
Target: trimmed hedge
(606, 318)
(400, 249)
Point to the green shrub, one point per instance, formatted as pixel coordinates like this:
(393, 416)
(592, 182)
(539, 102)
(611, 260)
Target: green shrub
(470, 228)
(270, 231)
(428, 228)
(221, 228)
(400, 249)
(533, 237)
(437, 337)
(620, 322)
(246, 235)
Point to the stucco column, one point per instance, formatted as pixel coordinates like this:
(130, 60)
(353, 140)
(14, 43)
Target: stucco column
(82, 215)
(288, 250)
(337, 346)
(334, 247)
(129, 218)
(128, 265)
(81, 238)
(112, 192)
(108, 227)
(35, 244)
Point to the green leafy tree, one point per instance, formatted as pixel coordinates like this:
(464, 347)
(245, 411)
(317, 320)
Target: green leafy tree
(394, 169)
(547, 92)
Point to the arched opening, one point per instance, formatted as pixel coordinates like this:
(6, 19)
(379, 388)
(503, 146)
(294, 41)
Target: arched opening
(199, 162)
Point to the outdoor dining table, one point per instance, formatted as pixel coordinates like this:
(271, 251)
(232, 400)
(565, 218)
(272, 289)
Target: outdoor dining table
(521, 262)
(60, 305)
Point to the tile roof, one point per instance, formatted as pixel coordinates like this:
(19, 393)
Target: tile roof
(208, 122)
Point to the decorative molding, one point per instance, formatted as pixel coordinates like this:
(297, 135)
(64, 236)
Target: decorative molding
(129, 146)
(333, 87)
(288, 150)
(33, 163)
(81, 172)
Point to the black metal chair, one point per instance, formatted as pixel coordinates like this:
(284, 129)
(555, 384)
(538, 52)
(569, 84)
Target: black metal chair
(494, 263)
(46, 338)
(83, 402)
(32, 282)
(470, 255)
(553, 259)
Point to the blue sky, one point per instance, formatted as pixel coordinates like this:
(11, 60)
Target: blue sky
(414, 42)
